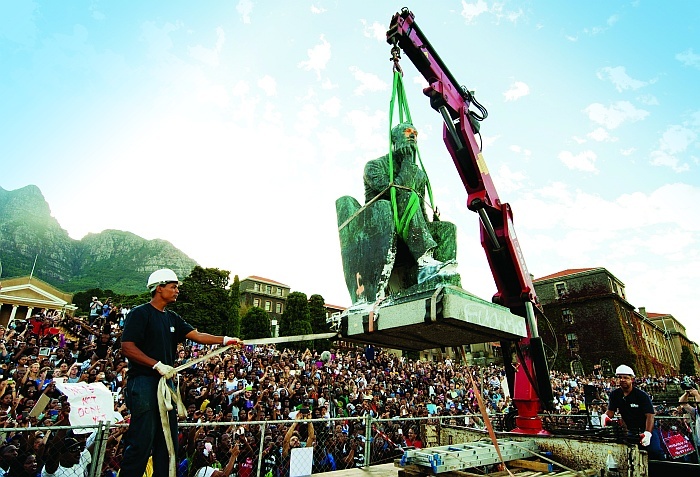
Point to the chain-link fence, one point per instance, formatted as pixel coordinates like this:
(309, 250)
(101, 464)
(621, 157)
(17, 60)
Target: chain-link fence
(278, 448)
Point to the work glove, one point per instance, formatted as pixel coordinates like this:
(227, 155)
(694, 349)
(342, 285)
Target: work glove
(646, 438)
(605, 420)
(230, 341)
(164, 370)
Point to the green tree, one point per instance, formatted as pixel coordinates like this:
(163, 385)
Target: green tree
(317, 312)
(296, 319)
(204, 301)
(255, 324)
(234, 328)
(687, 364)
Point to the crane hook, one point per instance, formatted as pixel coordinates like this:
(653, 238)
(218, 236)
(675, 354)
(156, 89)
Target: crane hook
(395, 57)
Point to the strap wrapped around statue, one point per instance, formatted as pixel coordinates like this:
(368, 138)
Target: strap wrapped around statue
(390, 245)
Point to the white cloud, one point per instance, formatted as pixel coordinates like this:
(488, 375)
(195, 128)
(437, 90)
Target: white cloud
(578, 140)
(674, 141)
(628, 151)
(244, 9)
(213, 94)
(509, 180)
(521, 151)
(307, 119)
(472, 10)
(368, 81)
(370, 131)
(420, 80)
(319, 56)
(331, 106)
(241, 88)
(514, 16)
(209, 56)
(268, 84)
(328, 84)
(613, 116)
(601, 135)
(516, 91)
(620, 79)
(317, 10)
(648, 99)
(689, 58)
(584, 161)
(376, 30)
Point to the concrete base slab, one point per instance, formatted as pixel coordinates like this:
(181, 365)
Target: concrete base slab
(436, 317)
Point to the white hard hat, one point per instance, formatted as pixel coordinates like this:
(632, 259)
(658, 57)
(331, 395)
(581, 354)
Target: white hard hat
(161, 277)
(624, 369)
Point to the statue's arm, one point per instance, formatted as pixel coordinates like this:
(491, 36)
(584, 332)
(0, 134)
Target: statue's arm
(376, 178)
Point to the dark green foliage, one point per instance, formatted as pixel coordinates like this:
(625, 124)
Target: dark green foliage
(204, 301)
(83, 299)
(255, 324)
(687, 364)
(317, 312)
(234, 328)
(296, 319)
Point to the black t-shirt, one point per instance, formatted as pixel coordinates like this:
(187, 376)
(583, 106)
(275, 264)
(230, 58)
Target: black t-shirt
(633, 408)
(156, 333)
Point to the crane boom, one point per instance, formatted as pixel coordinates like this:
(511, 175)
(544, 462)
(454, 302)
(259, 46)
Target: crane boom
(515, 289)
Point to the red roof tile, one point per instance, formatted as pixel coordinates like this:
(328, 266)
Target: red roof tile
(563, 273)
(266, 280)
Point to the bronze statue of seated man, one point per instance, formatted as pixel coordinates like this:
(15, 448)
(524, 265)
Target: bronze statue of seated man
(389, 246)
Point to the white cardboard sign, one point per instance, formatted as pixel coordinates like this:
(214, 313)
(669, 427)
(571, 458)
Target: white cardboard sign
(89, 404)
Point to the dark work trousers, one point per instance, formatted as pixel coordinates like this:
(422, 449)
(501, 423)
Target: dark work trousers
(654, 448)
(145, 432)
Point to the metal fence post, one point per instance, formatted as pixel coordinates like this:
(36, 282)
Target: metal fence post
(101, 437)
(368, 438)
(261, 448)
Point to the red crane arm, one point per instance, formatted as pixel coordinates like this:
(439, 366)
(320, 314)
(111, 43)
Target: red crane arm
(531, 385)
(498, 238)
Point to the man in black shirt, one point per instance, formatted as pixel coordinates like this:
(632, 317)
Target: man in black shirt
(637, 411)
(150, 338)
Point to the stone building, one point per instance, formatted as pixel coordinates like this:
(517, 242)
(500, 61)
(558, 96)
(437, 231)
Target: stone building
(593, 324)
(271, 296)
(676, 336)
(21, 297)
(267, 294)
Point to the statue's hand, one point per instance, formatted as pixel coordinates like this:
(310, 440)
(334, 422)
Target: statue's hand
(405, 151)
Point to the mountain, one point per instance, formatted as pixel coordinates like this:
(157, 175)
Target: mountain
(112, 259)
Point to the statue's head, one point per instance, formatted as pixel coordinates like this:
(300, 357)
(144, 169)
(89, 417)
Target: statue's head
(403, 133)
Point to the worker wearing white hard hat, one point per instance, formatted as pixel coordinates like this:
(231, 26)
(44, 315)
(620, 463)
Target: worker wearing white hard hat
(161, 277)
(637, 412)
(149, 341)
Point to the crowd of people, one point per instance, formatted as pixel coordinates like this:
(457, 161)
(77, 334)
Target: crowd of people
(250, 384)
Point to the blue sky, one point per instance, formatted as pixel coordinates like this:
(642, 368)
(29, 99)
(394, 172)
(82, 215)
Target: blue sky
(230, 129)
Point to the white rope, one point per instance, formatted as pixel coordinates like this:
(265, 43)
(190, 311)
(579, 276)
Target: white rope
(168, 398)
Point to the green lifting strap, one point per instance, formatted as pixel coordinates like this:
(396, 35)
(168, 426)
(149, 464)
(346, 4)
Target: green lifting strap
(398, 95)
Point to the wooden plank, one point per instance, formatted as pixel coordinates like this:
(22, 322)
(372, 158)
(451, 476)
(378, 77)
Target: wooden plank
(532, 465)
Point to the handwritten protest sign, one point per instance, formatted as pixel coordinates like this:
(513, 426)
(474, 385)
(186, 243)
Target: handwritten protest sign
(677, 444)
(89, 404)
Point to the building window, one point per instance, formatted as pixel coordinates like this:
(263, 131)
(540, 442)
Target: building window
(268, 289)
(256, 287)
(572, 341)
(279, 291)
(256, 302)
(560, 289)
(567, 316)
(278, 308)
(268, 305)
